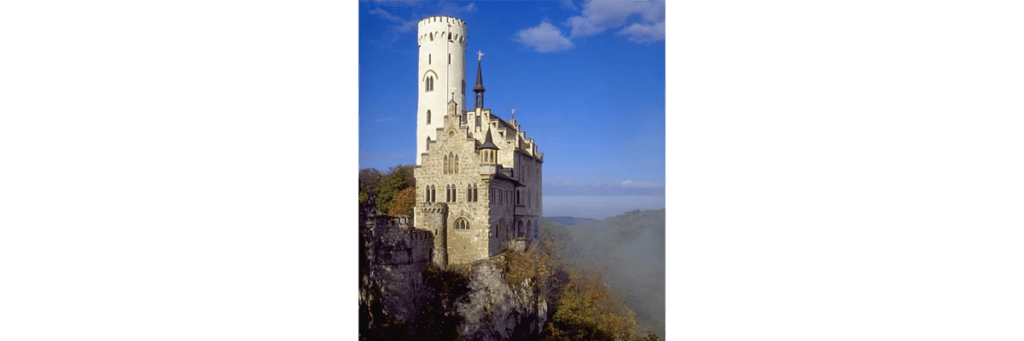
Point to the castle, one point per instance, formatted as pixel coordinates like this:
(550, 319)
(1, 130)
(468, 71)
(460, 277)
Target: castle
(487, 172)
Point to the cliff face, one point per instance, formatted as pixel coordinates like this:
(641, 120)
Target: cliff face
(403, 297)
(494, 309)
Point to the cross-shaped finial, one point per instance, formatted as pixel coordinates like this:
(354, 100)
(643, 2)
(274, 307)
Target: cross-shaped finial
(479, 55)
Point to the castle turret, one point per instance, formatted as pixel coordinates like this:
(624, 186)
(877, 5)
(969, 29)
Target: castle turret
(442, 66)
(488, 151)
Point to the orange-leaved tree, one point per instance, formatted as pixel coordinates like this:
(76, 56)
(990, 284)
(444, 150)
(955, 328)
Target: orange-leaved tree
(589, 310)
(404, 202)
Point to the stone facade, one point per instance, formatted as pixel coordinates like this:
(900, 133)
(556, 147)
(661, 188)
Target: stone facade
(483, 170)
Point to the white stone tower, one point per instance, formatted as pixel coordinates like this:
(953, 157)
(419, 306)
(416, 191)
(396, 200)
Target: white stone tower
(442, 67)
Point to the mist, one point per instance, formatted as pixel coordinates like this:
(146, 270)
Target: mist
(601, 206)
(630, 249)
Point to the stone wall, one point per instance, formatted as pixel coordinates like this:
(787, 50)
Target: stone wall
(393, 258)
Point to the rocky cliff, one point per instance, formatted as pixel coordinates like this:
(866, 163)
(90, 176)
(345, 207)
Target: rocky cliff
(403, 297)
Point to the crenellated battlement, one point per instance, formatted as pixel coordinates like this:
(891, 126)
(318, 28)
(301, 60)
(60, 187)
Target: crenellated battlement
(441, 19)
(432, 207)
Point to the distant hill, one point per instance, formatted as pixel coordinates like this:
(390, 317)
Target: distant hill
(569, 221)
(631, 249)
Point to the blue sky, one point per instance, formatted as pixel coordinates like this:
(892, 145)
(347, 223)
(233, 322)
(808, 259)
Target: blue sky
(587, 81)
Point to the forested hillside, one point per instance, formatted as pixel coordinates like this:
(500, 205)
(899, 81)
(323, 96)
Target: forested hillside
(630, 249)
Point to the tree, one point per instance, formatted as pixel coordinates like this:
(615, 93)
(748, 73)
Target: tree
(398, 178)
(588, 310)
(404, 202)
(368, 180)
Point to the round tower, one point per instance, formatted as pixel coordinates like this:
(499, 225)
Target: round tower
(442, 66)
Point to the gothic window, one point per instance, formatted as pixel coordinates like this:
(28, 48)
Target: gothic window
(428, 194)
(469, 193)
(433, 193)
(461, 224)
(474, 193)
(453, 194)
(444, 165)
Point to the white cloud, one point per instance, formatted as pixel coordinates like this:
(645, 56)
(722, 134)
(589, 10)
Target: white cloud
(372, 156)
(600, 16)
(543, 38)
(567, 4)
(645, 184)
(384, 14)
(396, 3)
(641, 33)
(452, 9)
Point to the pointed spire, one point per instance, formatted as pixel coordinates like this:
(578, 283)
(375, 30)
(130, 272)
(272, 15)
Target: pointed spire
(479, 87)
(488, 143)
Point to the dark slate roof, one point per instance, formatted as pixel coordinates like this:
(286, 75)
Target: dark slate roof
(488, 143)
(479, 79)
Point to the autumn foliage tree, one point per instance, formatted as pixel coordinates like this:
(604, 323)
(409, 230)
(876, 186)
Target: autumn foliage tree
(588, 310)
(404, 202)
(385, 187)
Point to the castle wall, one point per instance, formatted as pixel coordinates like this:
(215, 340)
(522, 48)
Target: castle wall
(393, 258)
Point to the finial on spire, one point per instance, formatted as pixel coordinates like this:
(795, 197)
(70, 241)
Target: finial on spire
(479, 87)
(453, 93)
(513, 113)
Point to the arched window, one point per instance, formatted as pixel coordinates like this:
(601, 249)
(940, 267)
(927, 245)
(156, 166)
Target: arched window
(427, 199)
(474, 193)
(453, 194)
(448, 193)
(433, 193)
(469, 193)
